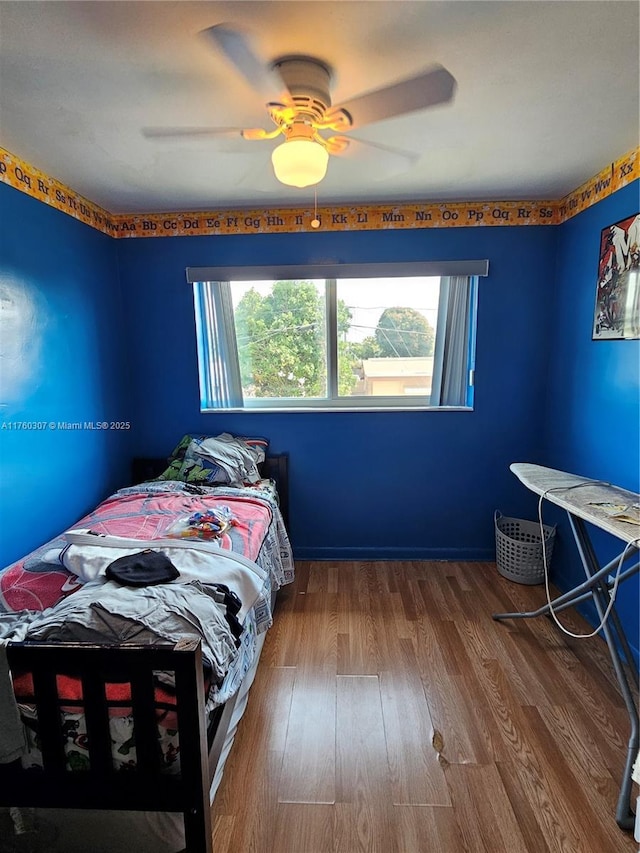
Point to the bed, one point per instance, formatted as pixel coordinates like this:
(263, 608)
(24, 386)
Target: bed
(129, 697)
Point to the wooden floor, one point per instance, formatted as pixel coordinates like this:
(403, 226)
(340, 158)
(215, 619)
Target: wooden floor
(391, 714)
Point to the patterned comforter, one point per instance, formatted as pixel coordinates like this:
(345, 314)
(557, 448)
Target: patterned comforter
(147, 512)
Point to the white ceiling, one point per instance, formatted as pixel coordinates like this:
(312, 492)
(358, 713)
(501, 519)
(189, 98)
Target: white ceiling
(547, 95)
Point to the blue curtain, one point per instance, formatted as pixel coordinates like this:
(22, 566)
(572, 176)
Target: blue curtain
(451, 365)
(220, 385)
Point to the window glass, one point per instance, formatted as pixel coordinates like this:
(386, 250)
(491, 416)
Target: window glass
(386, 336)
(281, 338)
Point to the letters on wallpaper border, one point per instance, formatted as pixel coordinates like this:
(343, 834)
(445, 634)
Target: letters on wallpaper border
(19, 174)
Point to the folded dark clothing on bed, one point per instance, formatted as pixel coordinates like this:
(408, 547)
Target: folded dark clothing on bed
(233, 605)
(142, 569)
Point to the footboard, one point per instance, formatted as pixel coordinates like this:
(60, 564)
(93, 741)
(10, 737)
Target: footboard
(145, 786)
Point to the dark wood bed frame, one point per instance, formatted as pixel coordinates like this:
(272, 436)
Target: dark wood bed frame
(146, 787)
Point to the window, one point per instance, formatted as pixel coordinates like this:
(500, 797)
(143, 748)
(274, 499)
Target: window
(280, 339)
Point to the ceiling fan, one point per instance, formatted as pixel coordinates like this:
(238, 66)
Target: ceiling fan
(298, 93)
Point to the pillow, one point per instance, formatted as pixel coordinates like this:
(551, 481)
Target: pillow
(216, 460)
(175, 459)
(223, 459)
(180, 449)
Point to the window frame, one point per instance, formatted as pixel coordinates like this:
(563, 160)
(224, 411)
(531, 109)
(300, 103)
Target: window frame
(331, 273)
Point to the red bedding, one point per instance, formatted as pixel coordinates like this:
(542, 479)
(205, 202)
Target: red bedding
(35, 583)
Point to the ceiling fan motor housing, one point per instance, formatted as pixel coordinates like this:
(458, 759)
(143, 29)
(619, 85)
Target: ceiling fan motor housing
(308, 81)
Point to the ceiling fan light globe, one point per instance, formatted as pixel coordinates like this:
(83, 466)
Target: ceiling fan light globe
(300, 162)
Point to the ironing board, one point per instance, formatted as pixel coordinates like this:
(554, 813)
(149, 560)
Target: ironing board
(587, 500)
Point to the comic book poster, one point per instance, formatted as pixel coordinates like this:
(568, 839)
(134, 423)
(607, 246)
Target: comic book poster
(617, 311)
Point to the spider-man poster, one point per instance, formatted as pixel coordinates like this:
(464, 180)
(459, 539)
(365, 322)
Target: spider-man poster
(617, 312)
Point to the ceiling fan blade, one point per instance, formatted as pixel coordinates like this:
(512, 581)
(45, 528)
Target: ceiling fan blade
(435, 86)
(237, 48)
(383, 161)
(228, 140)
(167, 132)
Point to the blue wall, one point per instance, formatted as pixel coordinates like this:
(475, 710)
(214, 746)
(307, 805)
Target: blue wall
(61, 360)
(592, 418)
(365, 485)
(95, 329)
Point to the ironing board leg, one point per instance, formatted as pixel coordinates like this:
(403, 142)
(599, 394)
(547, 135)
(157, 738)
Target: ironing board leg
(596, 587)
(624, 816)
(573, 596)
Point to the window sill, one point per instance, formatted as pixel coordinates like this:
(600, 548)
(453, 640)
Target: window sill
(301, 409)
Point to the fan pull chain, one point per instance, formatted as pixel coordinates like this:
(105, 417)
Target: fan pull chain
(315, 222)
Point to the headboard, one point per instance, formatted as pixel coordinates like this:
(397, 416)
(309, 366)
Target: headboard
(274, 467)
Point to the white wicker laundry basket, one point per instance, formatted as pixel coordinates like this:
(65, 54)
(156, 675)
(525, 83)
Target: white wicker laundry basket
(519, 553)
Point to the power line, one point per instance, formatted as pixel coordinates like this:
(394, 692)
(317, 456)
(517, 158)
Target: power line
(386, 308)
(399, 331)
(272, 332)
